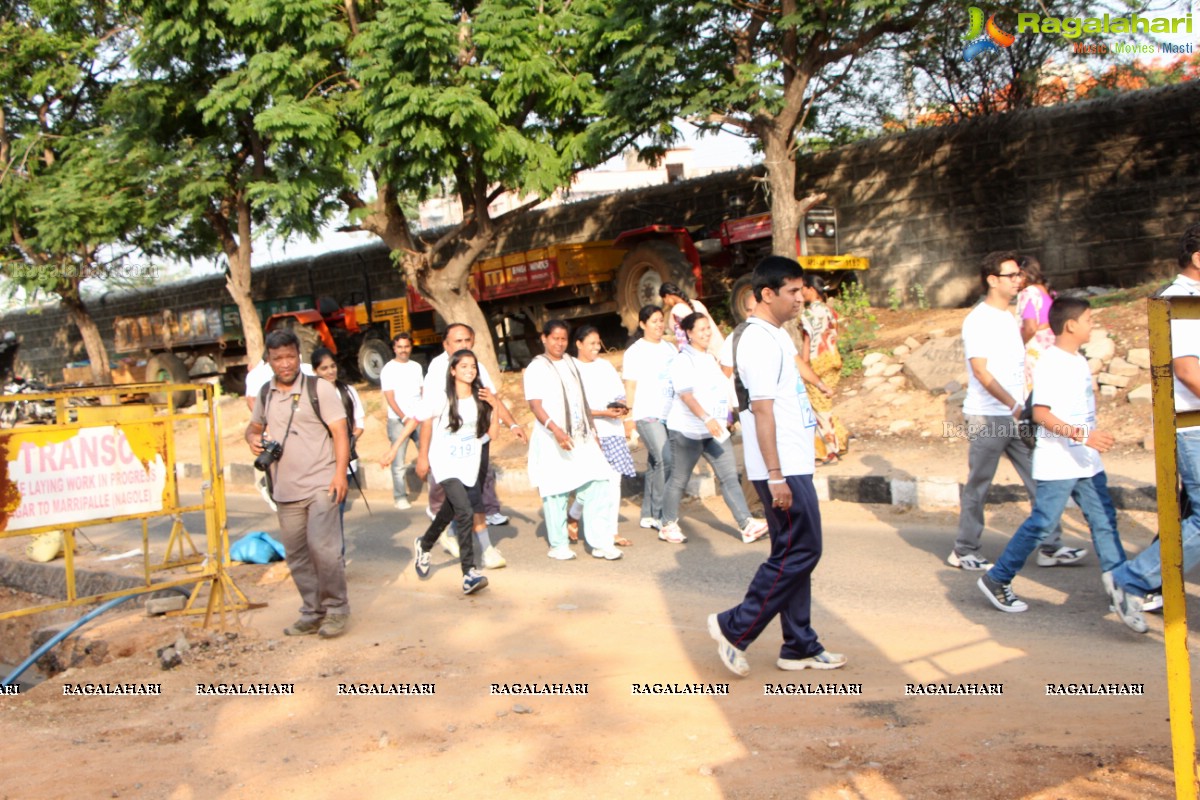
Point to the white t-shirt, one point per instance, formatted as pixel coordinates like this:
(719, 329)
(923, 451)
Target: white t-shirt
(992, 333)
(453, 454)
(262, 374)
(439, 367)
(404, 381)
(602, 385)
(648, 366)
(1185, 341)
(1063, 382)
(700, 374)
(766, 363)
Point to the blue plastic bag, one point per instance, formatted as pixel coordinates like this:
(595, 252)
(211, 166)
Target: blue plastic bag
(256, 548)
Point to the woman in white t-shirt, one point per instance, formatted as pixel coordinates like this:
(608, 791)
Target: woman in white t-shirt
(564, 452)
(696, 426)
(648, 393)
(606, 397)
(456, 426)
(325, 365)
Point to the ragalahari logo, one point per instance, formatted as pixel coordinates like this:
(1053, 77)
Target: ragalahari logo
(981, 38)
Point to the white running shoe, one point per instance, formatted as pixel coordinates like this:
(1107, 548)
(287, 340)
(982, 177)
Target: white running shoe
(562, 553)
(449, 544)
(1061, 556)
(492, 559)
(402, 504)
(650, 522)
(672, 533)
(733, 659)
(754, 529)
(497, 519)
(608, 553)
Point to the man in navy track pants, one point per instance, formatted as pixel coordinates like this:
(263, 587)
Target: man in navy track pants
(778, 436)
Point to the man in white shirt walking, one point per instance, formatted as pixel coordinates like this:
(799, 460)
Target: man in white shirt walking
(995, 399)
(400, 381)
(778, 444)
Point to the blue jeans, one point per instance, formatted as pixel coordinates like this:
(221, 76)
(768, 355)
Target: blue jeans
(399, 488)
(1143, 574)
(992, 437)
(685, 453)
(653, 433)
(1091, 494)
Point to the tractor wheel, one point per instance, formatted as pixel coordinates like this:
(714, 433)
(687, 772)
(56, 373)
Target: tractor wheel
(643, 270)
(741, 296)
(373, 355)
(168, 368)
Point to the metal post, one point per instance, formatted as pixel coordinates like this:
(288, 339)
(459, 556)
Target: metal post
(1179, 671)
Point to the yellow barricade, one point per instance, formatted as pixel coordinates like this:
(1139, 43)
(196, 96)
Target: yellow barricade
(1179, 668)
(109, 457)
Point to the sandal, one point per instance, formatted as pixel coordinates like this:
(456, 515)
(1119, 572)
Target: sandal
(573, 530)
(621, 541)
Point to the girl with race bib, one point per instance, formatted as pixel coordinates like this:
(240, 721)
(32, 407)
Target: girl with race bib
(456, 428)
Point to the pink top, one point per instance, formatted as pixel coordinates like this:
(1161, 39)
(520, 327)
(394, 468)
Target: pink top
(1034, 303)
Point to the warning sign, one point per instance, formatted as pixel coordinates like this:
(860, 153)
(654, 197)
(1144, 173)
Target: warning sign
(91, 475)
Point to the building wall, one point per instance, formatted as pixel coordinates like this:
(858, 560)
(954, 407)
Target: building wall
(1099, 191)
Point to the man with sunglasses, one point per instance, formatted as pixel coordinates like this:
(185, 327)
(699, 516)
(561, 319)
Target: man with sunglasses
(995, 399)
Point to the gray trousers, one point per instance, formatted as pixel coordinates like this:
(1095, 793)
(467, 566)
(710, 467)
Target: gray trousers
(311, 534)
(990, 438)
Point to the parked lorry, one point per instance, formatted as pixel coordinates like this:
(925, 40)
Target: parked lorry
(619, 276)
(602, 280)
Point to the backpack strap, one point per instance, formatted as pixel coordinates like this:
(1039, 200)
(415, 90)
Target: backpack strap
(310, 384)
(739, 388)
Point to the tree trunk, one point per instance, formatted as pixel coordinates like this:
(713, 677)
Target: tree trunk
(238, 284)
(787, 212)
(239, 253)
(447, 290)
(781, 180)
(93, 343)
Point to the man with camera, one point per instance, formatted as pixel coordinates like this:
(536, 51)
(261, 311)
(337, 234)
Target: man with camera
(299, 438)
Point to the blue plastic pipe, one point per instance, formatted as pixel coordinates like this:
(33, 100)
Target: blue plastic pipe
(58, 637)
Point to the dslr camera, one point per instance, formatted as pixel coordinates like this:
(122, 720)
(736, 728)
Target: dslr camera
(272, 452)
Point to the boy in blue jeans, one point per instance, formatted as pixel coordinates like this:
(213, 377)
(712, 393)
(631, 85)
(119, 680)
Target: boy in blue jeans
(1066, 458)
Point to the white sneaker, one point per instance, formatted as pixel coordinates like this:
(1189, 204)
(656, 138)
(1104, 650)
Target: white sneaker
(672, 533)
(492, 559)
(402, 504)
(969, 562)
(1061, 556)
(608, 553)
(497, 519)
(733, 659)
(650, 522)
(1153, 602)
(754, 529)
(449, 544)
(562, 553)
(822, 660)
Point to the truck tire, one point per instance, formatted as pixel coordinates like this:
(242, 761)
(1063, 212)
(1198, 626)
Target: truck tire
(740, 295)
(309, 338)
(644, 268)
(168, 368)
(373, 354)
